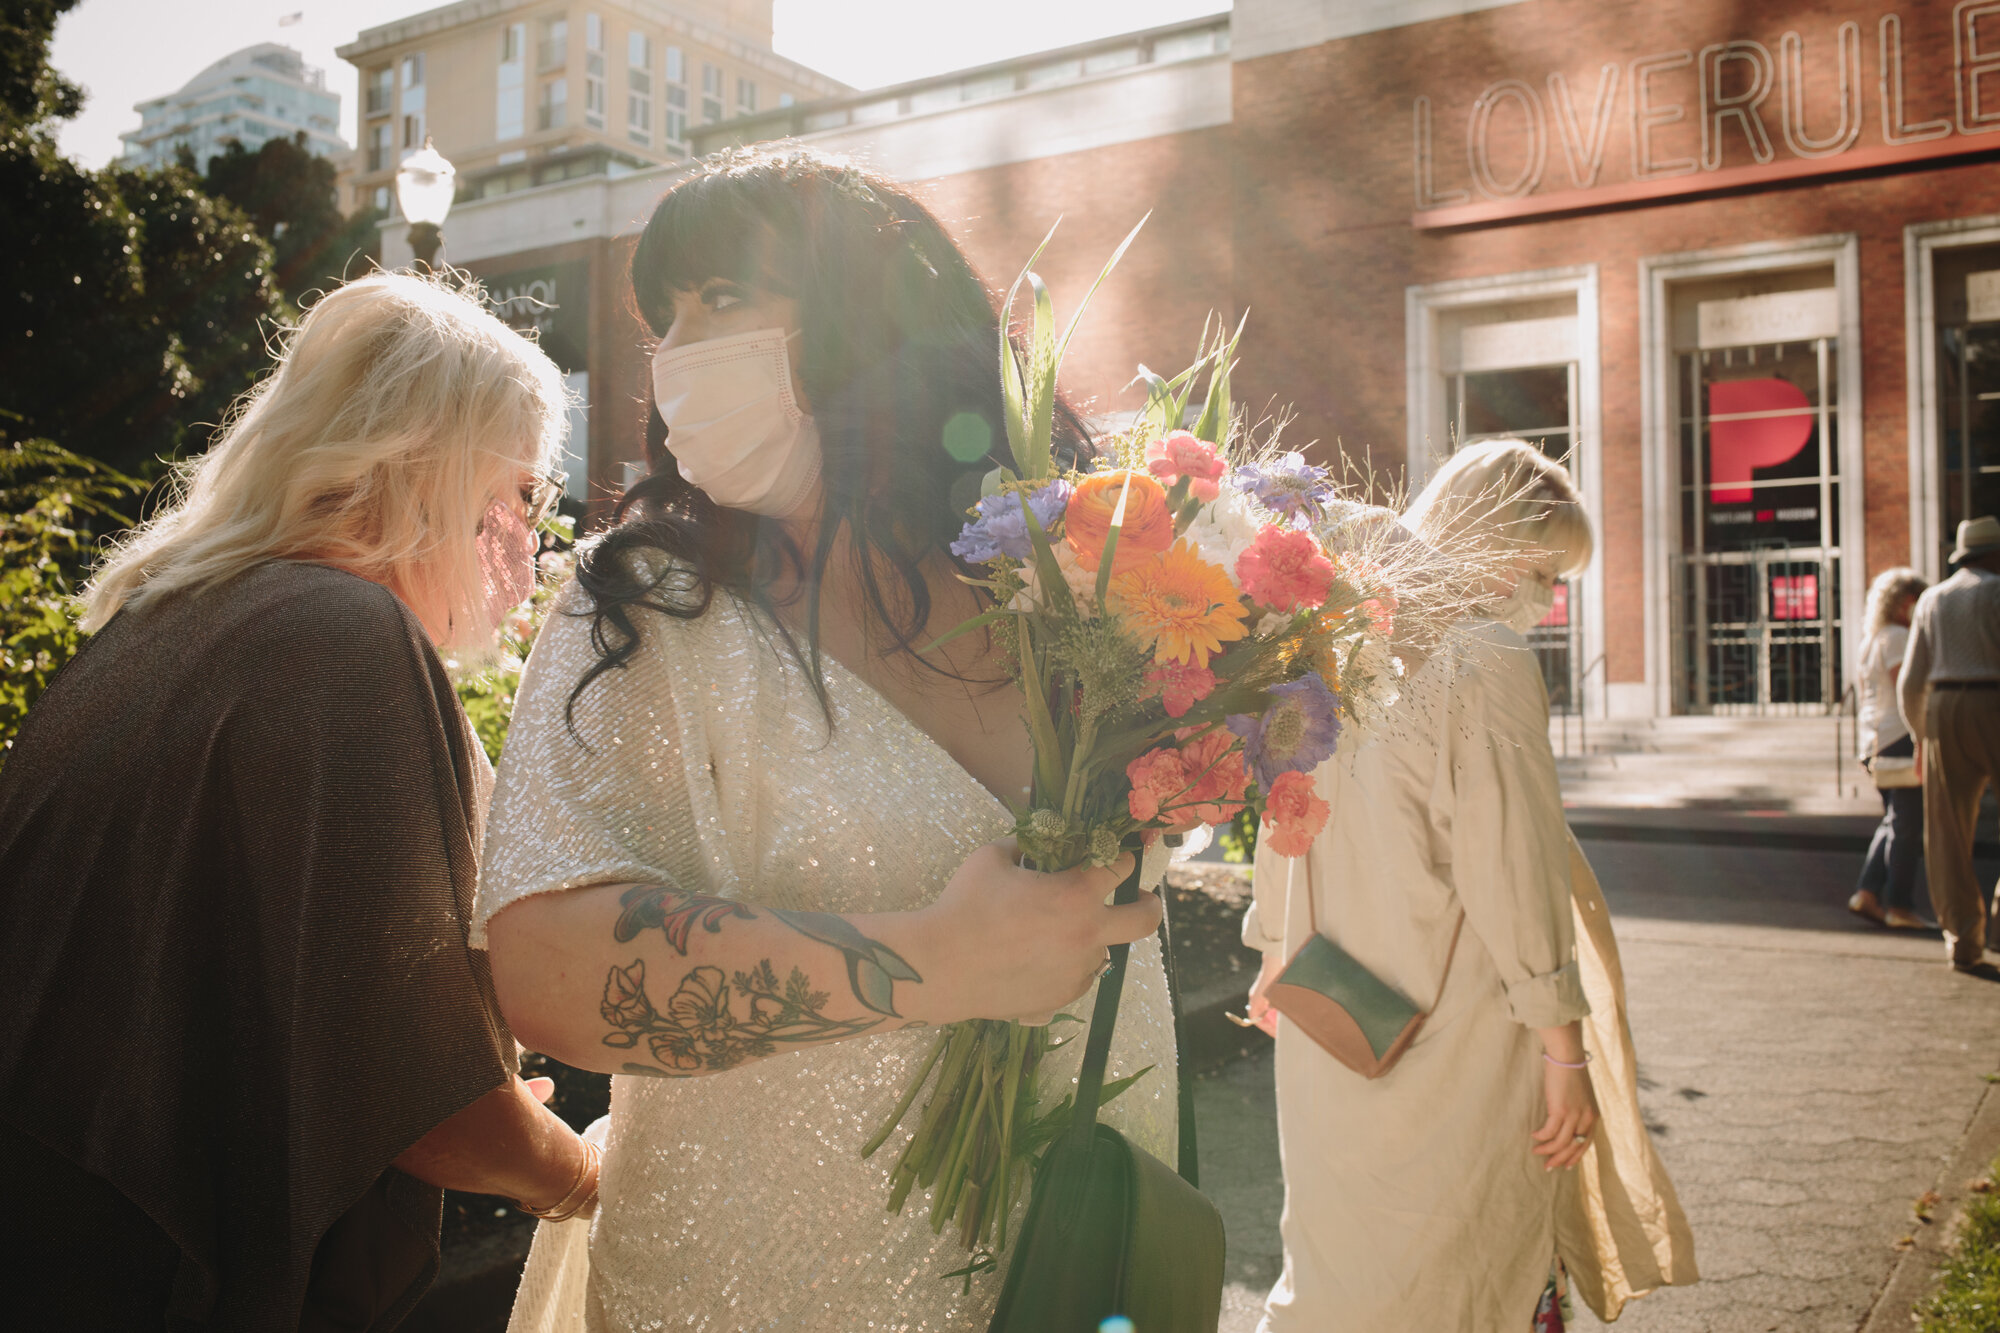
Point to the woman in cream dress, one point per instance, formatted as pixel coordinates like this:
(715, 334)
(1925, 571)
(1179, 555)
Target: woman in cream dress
(724, 731)
(1432, 1198)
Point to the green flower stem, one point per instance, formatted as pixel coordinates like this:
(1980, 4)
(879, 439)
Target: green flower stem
(909, 1096)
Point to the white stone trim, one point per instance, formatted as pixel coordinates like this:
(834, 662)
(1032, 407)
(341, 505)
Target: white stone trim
(1921, 242)
(1659, 449)
(1269, 27)
(1430, 418)
(1146, 101)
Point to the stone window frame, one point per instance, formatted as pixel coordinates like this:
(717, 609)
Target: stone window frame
(1659, 449)
(1429, 416)
(1921, 242)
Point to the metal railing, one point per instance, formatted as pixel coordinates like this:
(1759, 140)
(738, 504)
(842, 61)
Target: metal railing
(1576, 706)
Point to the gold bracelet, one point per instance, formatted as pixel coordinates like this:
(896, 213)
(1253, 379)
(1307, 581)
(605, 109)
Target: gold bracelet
(577, 1196)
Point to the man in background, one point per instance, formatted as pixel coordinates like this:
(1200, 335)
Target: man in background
(1949, 691)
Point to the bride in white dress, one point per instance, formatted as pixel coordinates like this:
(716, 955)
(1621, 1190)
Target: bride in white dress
(724, 857)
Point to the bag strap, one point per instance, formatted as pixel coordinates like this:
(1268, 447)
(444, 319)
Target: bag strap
(1103, 1017)
(1312, 919)
(1189, 1165)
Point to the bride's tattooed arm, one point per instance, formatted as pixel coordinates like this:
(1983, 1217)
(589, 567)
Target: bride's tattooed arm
(646, 978)
(714, 1020)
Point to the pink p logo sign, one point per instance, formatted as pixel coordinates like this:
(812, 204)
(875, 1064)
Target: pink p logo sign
(1739, 441)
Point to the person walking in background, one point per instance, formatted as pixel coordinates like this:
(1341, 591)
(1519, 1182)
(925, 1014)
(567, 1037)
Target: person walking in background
(1950, 697)
(1886, 893)
(1438, 1195)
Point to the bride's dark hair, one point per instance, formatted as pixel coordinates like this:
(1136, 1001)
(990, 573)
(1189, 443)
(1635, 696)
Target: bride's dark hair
(899, 356)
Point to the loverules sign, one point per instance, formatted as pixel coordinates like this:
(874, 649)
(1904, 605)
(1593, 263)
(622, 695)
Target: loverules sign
(1750, 107)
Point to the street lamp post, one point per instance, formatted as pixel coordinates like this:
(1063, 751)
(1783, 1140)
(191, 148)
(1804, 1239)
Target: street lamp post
(425, 185)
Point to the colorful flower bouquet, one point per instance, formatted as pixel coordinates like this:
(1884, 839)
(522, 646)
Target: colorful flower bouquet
(1184, 630)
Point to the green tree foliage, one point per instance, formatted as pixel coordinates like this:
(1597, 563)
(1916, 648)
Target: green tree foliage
(31, 92)
(49, 500)
(289, 194)
(141, 303)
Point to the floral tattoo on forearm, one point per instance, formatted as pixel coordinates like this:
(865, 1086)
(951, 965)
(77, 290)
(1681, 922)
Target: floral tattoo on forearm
(714, 1022)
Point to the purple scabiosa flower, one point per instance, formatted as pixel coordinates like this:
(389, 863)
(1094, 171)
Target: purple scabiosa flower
(999, 528)
(1296, 734)
(1287, 484)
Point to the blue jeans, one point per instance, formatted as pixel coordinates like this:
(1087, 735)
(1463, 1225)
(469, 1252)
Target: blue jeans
(1895, 856)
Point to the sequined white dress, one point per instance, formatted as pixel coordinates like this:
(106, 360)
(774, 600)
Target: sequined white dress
(739, 1200)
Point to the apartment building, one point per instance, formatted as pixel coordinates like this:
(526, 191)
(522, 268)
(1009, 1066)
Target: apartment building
(523, 93)
(250, 96)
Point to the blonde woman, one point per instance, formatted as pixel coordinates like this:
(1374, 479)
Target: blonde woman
(1887, 891)
(1428, 1198)
(243, 1041)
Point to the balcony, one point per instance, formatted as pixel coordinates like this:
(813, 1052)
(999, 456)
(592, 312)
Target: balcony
(552, 115)
(551, 53)
(378, 101)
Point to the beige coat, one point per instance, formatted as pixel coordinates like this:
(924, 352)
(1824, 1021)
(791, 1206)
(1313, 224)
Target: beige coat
(1413, 1201)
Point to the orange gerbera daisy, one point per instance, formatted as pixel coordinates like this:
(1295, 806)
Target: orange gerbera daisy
(1183, 601)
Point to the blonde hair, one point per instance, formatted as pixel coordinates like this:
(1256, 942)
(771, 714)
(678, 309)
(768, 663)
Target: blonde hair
(1505, 496)
(398, 411)
(1890, 587)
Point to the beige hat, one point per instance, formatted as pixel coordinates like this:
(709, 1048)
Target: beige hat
(1977, 537)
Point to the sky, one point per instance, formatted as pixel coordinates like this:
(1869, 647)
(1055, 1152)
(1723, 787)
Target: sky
(127, 51)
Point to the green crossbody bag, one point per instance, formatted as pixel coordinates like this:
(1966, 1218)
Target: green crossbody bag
(1111, 1229)
(1352, 1014)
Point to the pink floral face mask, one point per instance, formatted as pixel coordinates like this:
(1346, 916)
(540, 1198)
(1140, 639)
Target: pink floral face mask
(506, 560)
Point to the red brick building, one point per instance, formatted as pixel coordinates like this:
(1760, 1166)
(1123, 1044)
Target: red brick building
(1740, 264)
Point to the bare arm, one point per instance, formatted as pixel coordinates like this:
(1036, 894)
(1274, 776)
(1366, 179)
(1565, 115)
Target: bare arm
(647, 979)
(505, 1143)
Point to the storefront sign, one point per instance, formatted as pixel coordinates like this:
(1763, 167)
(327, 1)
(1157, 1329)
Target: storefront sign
(1749, 101)
(553, 303)
(1777, 317)
(1982, 297)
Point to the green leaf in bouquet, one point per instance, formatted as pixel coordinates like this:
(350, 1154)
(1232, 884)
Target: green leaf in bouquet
(1062, 348)
(1043, 358)
(1213, 424)
(979, 621)
(1108, 558)
(1014, 388)
(1049, 1126)
(1049, 766)
(1056, 596)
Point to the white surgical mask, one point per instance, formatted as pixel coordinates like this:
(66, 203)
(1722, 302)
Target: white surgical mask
(733, 425)
(1527, 606)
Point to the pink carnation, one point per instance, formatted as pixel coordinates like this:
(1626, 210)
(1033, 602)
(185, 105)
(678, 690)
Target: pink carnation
(1157, 778)
(1284, 569)
(1181, 685)
(1214, 762)
(1184, 454)
(1295, 813)
(1203, 779)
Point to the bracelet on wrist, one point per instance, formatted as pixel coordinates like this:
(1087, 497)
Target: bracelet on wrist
(1564, 1064)
(581, 1194)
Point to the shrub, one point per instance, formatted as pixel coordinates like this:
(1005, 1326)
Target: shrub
(51, 501)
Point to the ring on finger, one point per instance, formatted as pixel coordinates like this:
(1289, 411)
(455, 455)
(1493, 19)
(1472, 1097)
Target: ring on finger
(1579, 1138)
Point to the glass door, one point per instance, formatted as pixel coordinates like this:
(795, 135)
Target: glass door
(1969, 434)
(1756, 588)
(1536, 404)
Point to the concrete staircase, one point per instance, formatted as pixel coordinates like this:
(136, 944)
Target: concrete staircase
(1791, 764)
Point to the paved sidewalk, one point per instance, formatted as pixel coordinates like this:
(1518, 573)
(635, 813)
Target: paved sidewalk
(1807, 1078)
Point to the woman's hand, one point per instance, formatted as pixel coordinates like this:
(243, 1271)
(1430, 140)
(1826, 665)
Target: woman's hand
(1005, 942)
(1262, 1015)
(1564, 1136)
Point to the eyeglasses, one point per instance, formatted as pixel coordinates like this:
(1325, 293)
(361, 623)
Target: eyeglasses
(540, 496)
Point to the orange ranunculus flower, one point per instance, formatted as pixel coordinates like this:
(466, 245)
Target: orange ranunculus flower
(1149, 524)
(1186, 605)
